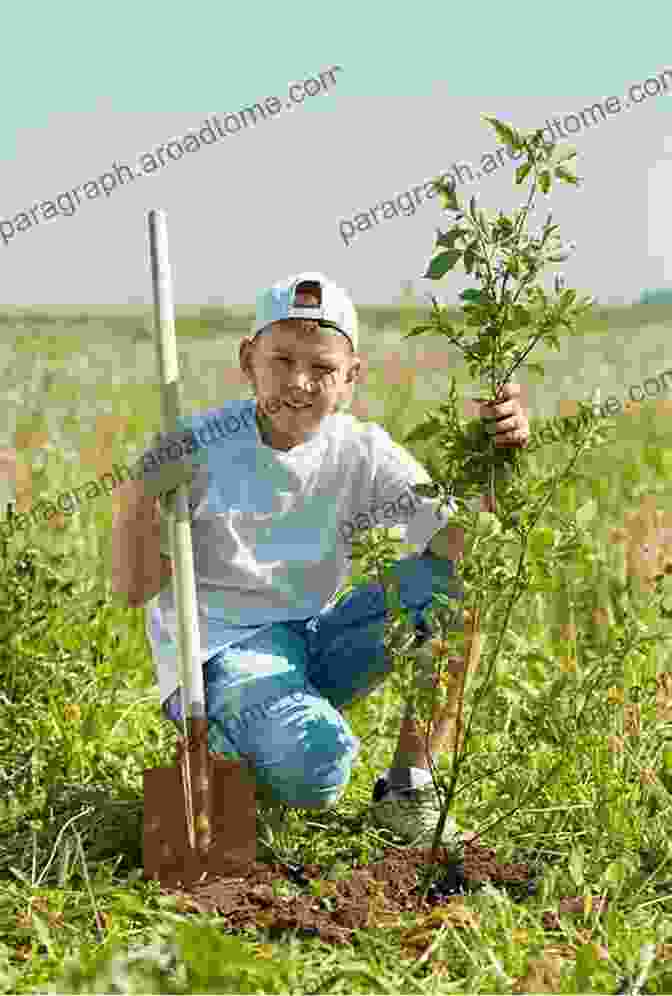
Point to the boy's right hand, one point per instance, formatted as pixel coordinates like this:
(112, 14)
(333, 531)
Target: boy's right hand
(163, 472)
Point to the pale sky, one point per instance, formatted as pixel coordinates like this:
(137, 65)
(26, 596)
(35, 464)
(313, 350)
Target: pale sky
(86, 88)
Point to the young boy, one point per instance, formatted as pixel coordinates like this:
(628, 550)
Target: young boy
(274, 503)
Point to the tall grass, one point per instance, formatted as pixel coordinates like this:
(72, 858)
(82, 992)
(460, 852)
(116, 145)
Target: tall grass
(79, 716)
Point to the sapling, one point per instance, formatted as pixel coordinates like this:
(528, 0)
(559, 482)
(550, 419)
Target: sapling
(503, 320)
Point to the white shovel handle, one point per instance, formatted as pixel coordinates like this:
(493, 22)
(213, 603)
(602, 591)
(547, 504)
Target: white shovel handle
(184, 582)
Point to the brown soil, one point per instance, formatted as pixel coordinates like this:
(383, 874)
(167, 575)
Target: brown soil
(372, 896)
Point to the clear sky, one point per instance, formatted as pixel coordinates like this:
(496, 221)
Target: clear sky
(87, 86)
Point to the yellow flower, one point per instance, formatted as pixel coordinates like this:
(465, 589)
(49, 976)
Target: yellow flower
(615, 695)
(71, 711)
(264, 951)
(618, 536)
(631, 715)
(615, 744)
(24, 921)
(601, 617)
(202, 823)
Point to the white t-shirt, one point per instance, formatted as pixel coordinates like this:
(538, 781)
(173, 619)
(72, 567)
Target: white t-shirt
(271, 529)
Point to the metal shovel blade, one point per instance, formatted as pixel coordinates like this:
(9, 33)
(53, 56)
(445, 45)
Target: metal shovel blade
(168, 854)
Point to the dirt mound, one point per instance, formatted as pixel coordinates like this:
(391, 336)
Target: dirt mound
(373, 895)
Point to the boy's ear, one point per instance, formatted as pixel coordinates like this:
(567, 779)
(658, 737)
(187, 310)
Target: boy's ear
(354, 372)
(244, 356)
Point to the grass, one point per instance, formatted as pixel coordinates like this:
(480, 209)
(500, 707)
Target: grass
(79, 712)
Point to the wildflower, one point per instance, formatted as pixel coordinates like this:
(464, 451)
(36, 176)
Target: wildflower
(631, 720)
(615, 695)
(618, 536)
(600, 617)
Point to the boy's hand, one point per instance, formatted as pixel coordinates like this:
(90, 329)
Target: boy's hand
(170, 467)
(506, 418)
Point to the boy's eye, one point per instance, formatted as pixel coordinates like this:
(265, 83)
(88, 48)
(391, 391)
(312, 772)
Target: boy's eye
(324, 370)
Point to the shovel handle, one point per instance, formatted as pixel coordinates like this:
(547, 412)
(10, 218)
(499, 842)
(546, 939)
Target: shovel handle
(184, 582)
(183, 579)
(196, 780)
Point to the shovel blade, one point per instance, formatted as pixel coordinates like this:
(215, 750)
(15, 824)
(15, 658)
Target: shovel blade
(167, 855)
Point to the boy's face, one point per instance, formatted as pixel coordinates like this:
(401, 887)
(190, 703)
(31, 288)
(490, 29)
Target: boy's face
(310, 368)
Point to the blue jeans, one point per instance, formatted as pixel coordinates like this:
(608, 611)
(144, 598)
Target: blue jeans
(273, 699)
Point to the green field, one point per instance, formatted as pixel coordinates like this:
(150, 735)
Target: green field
(79, 708)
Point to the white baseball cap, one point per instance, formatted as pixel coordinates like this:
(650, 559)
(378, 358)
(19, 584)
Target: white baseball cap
(335, 309)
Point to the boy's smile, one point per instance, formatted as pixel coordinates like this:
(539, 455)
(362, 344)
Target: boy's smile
(300, 372)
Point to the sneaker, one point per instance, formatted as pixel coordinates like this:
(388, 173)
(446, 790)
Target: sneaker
(413, 814)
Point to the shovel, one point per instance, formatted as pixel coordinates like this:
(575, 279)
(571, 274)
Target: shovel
(200, 813)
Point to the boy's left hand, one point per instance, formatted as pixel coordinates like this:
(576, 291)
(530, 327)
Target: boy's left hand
(506, 418)
(513, 429)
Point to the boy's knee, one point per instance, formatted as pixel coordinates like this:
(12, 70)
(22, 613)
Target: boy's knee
(317, 778)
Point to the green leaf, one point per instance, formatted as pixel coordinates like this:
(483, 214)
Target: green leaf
(522, 172)
(423, 431)
(522, 315)
(545, 181)
(584, 305)
(562, 153)
(42, 932)
(447, 240)
(567, 299)
(505, 133)
(535, 368)
(565, 175)
(442, 263)
(447, 194)
(586, 512)
(487, 524)
(513, 266)
(89, 728)
(419, 329)
(472, 208)
(473, 295)
(667, 759)
(470, 255)
(576, 866)
(540, 540)
(616, 871)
